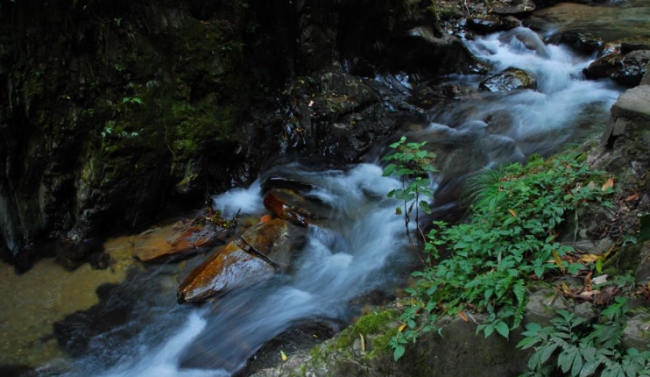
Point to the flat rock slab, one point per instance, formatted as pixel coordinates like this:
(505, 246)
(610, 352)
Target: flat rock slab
(275, 240)
(227, 269)
(169, 243)
(634, 105)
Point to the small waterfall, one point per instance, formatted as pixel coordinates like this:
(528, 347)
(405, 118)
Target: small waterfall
(362, 247)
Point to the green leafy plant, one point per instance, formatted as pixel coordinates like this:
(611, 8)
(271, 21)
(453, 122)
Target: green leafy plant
(412, 165)
(577, 348)
(511, 238)
(133, 100)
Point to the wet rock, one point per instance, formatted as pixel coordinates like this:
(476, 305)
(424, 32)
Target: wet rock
(513, 7)
(603, 67)
(226, 269)
(633, 68)
(423, 52)
(288, 205)
(301, 336)
(509, 80)
(492, 23)
(184, 237)
(284, 182)
(582, 42)
(627, 47)
(275, 240)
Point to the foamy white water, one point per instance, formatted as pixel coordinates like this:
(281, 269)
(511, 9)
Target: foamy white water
(248, 200)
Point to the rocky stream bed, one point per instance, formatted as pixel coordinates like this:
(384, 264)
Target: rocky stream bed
(197, 189)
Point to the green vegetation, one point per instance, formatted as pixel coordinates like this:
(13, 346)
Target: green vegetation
(578, 348)
(412, 166)
(511, 239)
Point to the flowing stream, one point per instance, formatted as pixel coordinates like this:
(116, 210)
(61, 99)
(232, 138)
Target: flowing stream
(361, 249)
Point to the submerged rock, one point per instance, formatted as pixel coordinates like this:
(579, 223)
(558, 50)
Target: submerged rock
(509, 80)
(583, 42)
(633, 68)
(227, 269)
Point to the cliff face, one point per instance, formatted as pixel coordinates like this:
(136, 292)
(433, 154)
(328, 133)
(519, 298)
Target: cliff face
(112, 109)
(108, 107)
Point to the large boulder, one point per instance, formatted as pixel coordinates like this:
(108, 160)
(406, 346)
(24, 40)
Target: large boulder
(630, 117)
(251, 258)
(227, 269)
(509, 80)
(633, 68)
(275, 240)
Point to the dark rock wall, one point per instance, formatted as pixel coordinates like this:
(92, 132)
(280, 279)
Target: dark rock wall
(111, 109)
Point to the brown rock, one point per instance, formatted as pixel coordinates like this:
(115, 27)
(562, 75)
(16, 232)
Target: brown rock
(604, 66)
(227, 269)
(169, 242)
(288, 205)
(274, 240)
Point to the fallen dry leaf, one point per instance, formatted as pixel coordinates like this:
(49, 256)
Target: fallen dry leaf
(589, 258)
(512, 212)
(463, 316)
(609, 184)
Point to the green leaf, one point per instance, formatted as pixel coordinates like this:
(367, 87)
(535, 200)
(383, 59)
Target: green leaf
(577, 365)
(502, 328)
(425, 207)
(399, 352)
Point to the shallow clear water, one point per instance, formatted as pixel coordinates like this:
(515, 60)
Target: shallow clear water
(361, 248)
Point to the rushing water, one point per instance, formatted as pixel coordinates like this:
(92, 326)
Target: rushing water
(361, 248)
